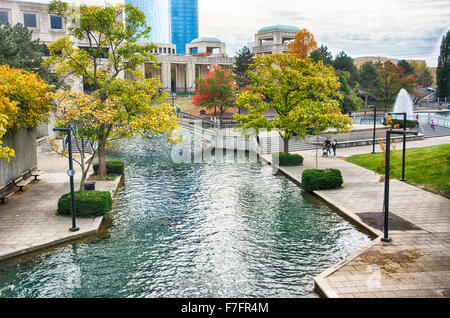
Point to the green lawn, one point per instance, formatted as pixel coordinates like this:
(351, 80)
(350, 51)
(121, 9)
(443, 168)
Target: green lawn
(427, 168)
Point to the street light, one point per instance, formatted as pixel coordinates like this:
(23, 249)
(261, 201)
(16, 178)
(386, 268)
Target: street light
(70, 173)
(374, 125)
(174, 95)
(386, 177)
(404, 144)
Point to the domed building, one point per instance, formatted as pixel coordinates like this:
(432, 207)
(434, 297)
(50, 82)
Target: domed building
(274, 39)
(207, 46)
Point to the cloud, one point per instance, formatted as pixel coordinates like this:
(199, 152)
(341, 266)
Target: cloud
(394, 28)
(398, 28)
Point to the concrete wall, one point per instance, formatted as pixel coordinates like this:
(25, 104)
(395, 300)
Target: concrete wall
(24, 144)
(46, 129)
(354, 135)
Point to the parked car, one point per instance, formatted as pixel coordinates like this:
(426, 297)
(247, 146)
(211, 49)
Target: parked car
(431, 89)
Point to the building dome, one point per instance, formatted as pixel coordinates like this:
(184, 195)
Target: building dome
(279, 27)
(206, 39)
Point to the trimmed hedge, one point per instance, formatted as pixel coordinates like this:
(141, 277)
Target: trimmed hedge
(112, 167)
(318, 179)
(409, 123)
(87, 203)
(287, 159)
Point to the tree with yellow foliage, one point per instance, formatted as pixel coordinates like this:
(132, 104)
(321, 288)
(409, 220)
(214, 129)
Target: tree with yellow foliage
(304, 94)
(132, 106)
(24, 102)
(303, 44)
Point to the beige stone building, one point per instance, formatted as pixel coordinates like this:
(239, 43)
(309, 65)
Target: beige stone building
(176, 72)
(359, 61)
(274, 39)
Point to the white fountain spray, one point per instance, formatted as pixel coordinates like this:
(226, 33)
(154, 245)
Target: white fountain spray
(404, 104)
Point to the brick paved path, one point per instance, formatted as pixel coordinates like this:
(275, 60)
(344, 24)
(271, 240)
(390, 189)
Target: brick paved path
(416, 263)
(28, 220)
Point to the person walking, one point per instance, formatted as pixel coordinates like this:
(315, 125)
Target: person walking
(334, 146)
(432, 125)
(328, 145)
(324, 149)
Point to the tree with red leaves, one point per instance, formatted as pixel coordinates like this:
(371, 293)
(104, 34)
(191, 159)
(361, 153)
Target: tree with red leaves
(393, 79)
(215, 90)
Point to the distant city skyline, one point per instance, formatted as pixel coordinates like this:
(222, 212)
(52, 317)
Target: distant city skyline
(402, 29)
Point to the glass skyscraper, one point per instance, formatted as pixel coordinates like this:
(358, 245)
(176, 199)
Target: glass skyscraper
(172, 21)
(184, 20)
(157, 16)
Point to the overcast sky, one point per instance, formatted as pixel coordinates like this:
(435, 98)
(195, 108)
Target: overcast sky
(410, 29)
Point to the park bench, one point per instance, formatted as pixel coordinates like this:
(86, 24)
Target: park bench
(21, 182)
(34, 174)
(5, 196)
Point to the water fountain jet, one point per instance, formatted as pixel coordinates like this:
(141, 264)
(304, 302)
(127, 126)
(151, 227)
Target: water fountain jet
(404, 104)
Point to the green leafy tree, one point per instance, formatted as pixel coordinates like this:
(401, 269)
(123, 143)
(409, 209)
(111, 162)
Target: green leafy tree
(215, 90)
(19, 50)
(350, 102)
(407, 67)
(369, 81)
(243, 60)
(303, 93)
(421, 73)
(322, 54)
(443, 68)
(392, 80)
(112, 51)
(343, 62)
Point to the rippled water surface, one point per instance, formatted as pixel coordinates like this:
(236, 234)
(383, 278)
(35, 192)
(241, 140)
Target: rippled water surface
(217, 229)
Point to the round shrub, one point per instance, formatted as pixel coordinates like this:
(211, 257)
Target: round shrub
(112, 167)
(87, 203)
(287, 159)
(318, 179)
(409, 123)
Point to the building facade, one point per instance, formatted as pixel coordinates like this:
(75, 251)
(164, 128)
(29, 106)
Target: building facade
(184, 23)
(157, 15)
(274, 39)
(176, 72)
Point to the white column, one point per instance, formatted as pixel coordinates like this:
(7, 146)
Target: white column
(190, 76)
(165, 75)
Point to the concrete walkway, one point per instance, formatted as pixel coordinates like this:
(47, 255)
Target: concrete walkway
(417, 261)
(28, 220)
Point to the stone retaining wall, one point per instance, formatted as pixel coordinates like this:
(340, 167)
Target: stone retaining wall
(24, 144)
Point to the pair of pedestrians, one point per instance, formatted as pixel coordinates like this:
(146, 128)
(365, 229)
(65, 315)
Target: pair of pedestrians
(327, 145)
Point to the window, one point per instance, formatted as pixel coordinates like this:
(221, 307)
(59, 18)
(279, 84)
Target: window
(160, 50)
(165, 50)
(4, 17)
(29, 20)
(56, 22)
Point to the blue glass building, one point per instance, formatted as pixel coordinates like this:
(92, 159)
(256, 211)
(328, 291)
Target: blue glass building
(184, 23)
(157, 16)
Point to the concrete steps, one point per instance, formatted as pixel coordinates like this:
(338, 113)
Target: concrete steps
(273, 144)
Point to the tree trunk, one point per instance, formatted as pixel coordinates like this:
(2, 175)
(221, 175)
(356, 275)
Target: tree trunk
(286, 145)
(317, 146)
(83, 178)
(102, 157)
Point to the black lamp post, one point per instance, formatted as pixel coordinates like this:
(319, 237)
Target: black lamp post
(374, 125)
(173, 102)
(404, 144)
(386, 177)
(70, 173)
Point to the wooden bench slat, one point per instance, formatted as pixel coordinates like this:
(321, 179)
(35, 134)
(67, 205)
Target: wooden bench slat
(5, 196)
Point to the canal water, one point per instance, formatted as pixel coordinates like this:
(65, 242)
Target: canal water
(221, 228)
